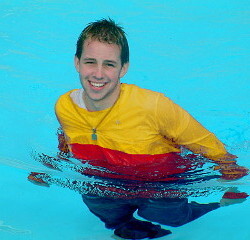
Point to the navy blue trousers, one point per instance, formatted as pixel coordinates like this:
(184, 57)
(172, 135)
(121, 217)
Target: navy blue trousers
(167, 211)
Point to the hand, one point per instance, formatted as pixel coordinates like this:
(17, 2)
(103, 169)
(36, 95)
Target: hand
(231, 171)
(35, 178)
(62, 143)
(233, 196)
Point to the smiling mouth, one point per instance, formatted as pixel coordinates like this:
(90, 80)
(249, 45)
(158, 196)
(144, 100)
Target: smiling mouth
(97, 85)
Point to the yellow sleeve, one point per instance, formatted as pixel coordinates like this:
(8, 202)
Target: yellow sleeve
(67, 116)
(180, 127)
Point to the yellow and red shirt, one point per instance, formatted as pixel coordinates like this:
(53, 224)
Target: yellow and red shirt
(142, 128)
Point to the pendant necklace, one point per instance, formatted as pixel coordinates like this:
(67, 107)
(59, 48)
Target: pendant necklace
(93, 135)
(94, 129)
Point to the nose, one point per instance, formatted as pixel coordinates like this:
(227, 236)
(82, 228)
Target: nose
(98, 74)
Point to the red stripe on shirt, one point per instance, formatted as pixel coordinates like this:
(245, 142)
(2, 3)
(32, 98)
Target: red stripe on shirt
(130, 166)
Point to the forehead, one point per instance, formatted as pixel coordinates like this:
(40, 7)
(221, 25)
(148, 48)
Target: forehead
(96, 49)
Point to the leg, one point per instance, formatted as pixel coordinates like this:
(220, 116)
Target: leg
(113, 212)
(173, 211)
(118, 214)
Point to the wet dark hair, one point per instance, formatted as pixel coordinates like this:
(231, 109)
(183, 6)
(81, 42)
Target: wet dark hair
(107, 31)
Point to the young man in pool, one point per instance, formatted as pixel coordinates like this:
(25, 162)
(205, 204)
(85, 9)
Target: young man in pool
(132, 132)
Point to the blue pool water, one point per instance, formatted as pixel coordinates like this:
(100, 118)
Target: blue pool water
(196, 52)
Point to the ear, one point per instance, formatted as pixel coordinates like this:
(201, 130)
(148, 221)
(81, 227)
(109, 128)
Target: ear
(77, 63)
(124, 69)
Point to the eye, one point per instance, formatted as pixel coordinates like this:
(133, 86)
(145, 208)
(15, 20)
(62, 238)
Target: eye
(89, 62)
(110, 65)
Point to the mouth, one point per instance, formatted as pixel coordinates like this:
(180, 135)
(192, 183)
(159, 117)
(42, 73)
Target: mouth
(97, 85)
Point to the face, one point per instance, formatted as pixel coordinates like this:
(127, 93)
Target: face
(100, 71)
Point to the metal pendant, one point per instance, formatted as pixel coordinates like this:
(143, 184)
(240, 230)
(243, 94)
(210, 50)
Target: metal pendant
(94, 136)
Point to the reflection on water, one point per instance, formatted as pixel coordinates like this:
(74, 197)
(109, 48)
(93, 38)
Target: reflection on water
(163, 200)
(200, 180)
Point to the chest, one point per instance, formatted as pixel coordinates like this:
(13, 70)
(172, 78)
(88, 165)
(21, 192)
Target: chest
(129, 125)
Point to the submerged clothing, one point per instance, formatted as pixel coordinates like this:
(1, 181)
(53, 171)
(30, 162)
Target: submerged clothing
(143, 131)
(168, 211)
(139, 138)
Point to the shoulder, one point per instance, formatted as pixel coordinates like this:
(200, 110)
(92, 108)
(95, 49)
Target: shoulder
(146, 96)
(65, 100)
(66, 96)
(141, 94)
(134, 88)
(136, 97)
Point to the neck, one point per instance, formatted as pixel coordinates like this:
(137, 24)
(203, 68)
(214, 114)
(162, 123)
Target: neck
(102, 104)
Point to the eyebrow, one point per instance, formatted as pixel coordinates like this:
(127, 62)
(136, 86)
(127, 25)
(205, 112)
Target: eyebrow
(106, 61)
(110, 61)
(89, 59)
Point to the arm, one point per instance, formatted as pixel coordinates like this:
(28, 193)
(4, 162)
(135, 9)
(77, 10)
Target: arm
(188, 132)
(212, 148)
(62, 143)
(229, 169)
